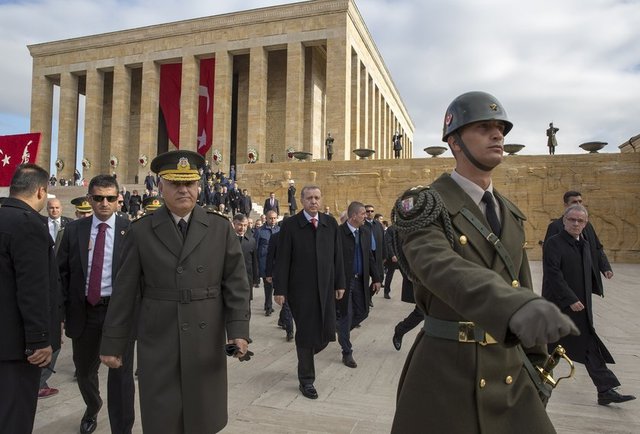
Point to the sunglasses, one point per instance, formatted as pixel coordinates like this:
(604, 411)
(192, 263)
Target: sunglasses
(369, 210)
(100, 198)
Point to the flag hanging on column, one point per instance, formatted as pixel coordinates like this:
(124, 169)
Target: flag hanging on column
(170, 86)
(14, 151)
(205, 105)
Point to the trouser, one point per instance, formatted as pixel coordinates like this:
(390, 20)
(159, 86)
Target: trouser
(356, 312)
(603, 378)
(19, 382)
(391, 268)
(410, 322)
(268, 295)
(45, 373)
(120, 383)
(286, 318)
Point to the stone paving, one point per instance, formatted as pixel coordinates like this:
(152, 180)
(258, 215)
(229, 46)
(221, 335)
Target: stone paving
(264, 396)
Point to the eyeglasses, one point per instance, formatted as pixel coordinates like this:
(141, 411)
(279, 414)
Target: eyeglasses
(369, 210)
(100, 198)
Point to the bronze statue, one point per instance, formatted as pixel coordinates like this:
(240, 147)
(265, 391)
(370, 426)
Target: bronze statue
(551, 141)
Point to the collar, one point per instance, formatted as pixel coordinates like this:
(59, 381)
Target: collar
(351, 228)
(309, 216)
(111, 221)
(176, 218)
(471, 188)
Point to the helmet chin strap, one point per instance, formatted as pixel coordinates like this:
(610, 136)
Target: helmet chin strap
(470, 157)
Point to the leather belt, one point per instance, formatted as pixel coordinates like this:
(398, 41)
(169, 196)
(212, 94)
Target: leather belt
(184, 296)
(460, 331)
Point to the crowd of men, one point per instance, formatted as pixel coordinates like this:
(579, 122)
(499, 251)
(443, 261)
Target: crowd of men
(177, 283)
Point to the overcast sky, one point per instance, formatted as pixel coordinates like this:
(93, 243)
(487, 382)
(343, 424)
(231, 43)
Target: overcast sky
(573, 62)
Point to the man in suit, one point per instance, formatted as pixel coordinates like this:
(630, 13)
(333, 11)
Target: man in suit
(310, 276)
(377, 243)
(359, 266)
(262, 236)
(89, 258)
(249, 249)
(285, 319)
(244, 203)
(598, 256)
(271, 204)
(56, 220)
(390, 260)
(183, 270)
(150, 182)
(29, 301)
(569, 279)
(291, 197)
(477, 300)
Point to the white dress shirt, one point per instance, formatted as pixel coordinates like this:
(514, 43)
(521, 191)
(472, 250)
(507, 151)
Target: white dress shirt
(107, 266)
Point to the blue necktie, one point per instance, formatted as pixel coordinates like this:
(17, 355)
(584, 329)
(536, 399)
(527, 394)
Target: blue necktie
(357, 254)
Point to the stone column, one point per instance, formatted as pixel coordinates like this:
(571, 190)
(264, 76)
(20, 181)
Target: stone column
(385, 129)
(257, 115)
(222, 107)
(68, 124)
(294, 111)
(94, 104)
(339, 95)
(149, 107)
(356, 107)
(41, 116)
(120, 123)
(364, 108)
(372, 112)
(189, 102)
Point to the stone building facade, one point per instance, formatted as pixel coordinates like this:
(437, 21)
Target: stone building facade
(285, 77)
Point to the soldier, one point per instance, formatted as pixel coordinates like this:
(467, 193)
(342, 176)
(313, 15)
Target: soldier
(184, 268)
(151, 204)
(83, 207)
(474, 286)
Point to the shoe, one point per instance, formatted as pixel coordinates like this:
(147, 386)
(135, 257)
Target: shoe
(387, 296)
(348, 361)
(47, 392)
(268, 312)
(370, 303)
(308, 391)
(88, 424)
(281, 324)
(289, 336)
(397, 341)
(612, 395)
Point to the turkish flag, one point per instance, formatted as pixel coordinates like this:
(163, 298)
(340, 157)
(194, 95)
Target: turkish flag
(170, 87)
(14, 151)
(205, 105)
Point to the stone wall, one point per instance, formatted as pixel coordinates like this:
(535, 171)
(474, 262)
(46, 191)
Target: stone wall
(609, 183)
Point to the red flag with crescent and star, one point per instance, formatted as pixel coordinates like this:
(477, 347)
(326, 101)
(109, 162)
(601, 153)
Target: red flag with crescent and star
(170, 92)
(14, 151)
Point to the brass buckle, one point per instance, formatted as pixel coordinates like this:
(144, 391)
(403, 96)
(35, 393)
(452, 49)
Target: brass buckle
(466, 328)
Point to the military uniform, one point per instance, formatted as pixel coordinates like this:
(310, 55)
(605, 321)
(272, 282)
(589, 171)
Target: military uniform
(473, 387)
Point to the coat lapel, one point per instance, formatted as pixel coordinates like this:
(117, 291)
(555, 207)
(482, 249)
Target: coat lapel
(198, 224)
(164, 228)
(84, 237)
(118, 236)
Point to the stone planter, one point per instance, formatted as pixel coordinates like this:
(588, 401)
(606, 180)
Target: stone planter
(364, 154)
(513, 148)
(593, 147)
(302, 155)
(434, 151)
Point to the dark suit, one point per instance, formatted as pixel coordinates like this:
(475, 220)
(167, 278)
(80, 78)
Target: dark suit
(149, 182)
(569, 276)
(598, 257)
(84, 324)
(29, 310)
(353, 308)
(250, 253)
(272, 253)
(309, 270)
(377, 245)
(63, 222)
(268, 207)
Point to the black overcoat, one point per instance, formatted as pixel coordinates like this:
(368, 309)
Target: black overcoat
(308, 270)
(569, 275)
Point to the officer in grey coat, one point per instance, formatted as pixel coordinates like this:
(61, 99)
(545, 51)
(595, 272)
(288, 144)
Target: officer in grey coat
(185, 271)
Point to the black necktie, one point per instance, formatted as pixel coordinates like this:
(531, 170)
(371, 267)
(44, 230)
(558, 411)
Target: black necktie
(490, 212)
(357, 253)
(182, 225)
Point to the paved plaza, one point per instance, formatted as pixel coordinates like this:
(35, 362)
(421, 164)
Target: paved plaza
(264, 396)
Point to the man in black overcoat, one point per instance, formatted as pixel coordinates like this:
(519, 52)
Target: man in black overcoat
(359, 266)
(377, 242)
(249, 249)
(29, 301)
(310, 276)
(569, 279)
(598, 256)
(86, 307)
(291, 197)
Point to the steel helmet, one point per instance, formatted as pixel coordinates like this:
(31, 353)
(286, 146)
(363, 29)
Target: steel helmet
(473, 107)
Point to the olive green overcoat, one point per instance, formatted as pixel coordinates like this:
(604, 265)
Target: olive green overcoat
(454, 387)
(182, 366)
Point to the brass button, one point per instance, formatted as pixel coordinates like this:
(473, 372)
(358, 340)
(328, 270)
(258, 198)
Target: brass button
(482, 383)
(463, 240)
(515, 284)
(509, 379)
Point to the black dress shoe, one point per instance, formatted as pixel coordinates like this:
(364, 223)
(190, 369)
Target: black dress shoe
(89, 422)
(268, 312)
(308, 391)
(387, 296)
(370, 303)
(397, 341)
(612, 396)
(281, 324)
(348, 361)
(289, 336)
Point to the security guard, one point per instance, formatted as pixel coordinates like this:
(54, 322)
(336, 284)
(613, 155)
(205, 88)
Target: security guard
(463, 246)
(185, 271)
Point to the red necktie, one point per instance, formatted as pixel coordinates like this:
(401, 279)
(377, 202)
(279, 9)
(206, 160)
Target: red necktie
(95, 276)
(314, 222)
